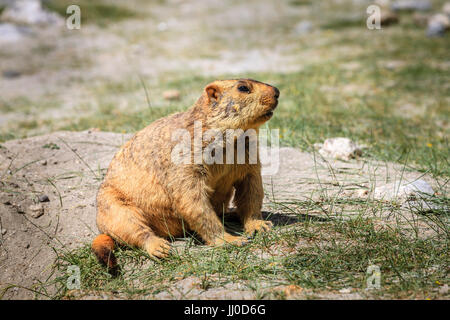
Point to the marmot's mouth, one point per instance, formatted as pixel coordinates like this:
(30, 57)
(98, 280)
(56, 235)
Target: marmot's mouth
(268, 114)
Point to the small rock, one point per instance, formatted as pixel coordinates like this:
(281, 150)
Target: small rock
(403, 191)
(438, 25)
(30, 12)
(411, 5)
(12, 33)
(303, 27)
(4, 231)
(18, 208)
(43, 198)
(388, 18)
(317, 146)
(162, 26)
(171, 95)
(345, 290)
(443, 289)
(340, 148)
(44, 163)
(36, 210)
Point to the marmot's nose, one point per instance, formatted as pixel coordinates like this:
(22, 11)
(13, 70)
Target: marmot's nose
(277, 92)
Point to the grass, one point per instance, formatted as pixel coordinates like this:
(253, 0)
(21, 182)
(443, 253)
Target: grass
(321, 256)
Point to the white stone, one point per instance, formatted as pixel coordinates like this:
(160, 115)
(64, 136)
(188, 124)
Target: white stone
(438, 24)
(36, 210)
(10, 33)
(303, 27)
(443, 289)
(340, 148)
(29, 12)
(162, 26)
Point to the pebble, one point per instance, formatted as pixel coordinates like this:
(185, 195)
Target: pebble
(446, 8)
(36, 210)
(30, 12)
(388, 18)
(411, 5)
(443, 289)
(361, 193)
(11, 34)
(93, 130)
(303, 27)
(438, 24)
(10, 74)
(345, 290)
(403, 190)
(340, 148)
(43, 198)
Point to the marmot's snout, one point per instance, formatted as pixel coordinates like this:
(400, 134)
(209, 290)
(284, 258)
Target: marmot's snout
(276, 96)
(270, 98)
(276, 92)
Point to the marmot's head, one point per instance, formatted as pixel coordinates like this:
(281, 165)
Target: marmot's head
(238, 104)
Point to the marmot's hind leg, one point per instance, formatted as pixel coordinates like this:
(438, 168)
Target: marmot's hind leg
(123, 222)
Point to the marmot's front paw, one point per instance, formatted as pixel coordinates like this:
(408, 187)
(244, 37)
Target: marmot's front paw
(253, 226)
(228, 238)
(157, 247)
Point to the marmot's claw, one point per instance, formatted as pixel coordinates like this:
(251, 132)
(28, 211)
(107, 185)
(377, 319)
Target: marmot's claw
(253, 226)
(158, 248)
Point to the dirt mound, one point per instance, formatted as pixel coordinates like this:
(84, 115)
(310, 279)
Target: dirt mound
(66, 167)
(49, 183)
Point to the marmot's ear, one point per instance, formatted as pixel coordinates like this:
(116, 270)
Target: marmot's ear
(213, 92)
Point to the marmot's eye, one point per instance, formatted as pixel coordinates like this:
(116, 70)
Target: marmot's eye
(243, 89)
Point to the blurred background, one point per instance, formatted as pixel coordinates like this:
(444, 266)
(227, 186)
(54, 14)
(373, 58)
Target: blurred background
(132, 62)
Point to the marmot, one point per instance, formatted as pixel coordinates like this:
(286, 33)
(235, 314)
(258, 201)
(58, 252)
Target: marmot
(145, 197)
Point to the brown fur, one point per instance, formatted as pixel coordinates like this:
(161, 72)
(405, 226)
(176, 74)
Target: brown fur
(145, 197)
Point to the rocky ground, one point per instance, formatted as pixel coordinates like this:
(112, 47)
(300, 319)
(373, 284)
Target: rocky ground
(49, 184)
(385, 88)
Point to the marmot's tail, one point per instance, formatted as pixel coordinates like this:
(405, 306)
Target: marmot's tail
(103, 247)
